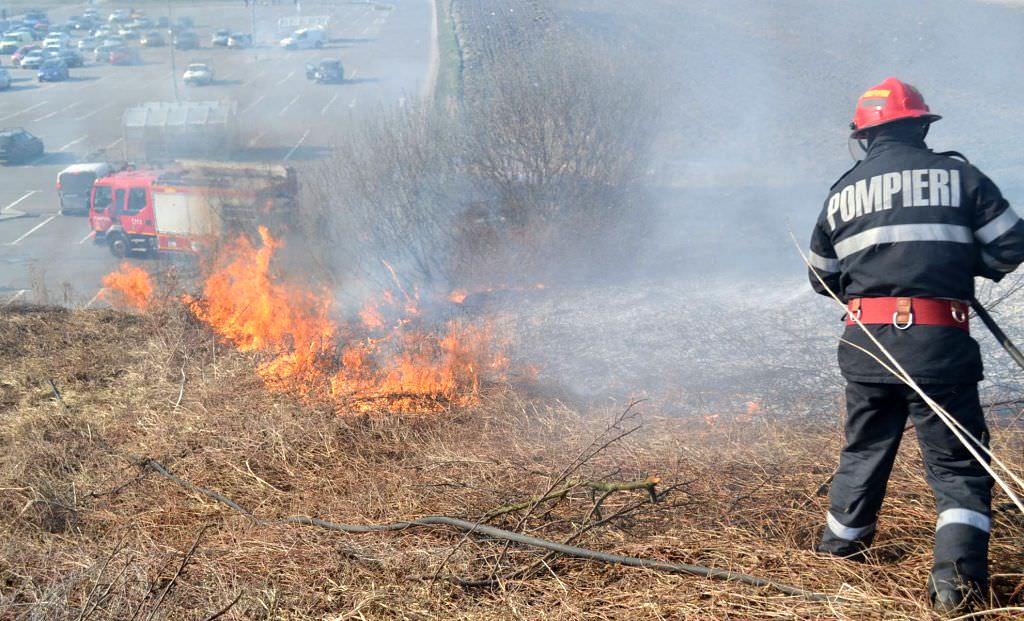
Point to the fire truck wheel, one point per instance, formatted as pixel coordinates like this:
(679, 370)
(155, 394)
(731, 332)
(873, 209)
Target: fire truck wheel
(119, 246)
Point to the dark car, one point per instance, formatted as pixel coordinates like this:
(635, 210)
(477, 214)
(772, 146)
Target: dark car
(153, 38)
(102, 53)
(125, 56)
(18, 145)
(327, 70)
(81, 22)
(186, 40)
(70, 57)
(53, 70)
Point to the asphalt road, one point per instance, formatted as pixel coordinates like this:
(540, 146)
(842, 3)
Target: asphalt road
(47, 257)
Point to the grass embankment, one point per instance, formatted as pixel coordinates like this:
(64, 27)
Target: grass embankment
(89, 533)
(448, 88)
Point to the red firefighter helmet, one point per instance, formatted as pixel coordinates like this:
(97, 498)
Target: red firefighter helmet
(889, 101)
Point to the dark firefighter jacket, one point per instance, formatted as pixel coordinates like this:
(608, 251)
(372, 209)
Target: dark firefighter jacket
(907, 222)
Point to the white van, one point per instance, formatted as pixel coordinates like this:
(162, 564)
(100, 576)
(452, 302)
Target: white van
(74, 186)
(305, 38)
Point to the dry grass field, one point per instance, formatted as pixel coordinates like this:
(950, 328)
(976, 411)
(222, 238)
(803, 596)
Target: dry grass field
(94, 403)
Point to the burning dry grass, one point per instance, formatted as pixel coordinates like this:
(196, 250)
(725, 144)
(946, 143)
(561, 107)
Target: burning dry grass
(88, 533)
(387, 361)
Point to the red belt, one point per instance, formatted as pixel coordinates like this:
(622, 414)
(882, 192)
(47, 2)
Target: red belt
(905, 312)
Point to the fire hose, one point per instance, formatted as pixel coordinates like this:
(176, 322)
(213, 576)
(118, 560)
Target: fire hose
(997, 332)
(504, 535)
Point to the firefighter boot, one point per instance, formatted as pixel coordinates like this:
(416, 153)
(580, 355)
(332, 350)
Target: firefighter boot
(952, 595)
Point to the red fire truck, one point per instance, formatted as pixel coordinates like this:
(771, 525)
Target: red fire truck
(188, 206)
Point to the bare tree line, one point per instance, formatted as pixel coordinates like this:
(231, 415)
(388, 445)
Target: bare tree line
(536, 176)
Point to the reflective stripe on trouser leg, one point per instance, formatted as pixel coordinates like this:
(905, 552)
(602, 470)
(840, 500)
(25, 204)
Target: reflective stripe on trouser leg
(962, 488)
(875, 416)
(847, 533)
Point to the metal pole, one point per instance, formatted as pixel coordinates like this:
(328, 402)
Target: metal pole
(997, 332)
(174, 68)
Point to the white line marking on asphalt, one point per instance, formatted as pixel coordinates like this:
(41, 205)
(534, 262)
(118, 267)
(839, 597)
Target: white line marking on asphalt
(56, 112)
(257, 138)
(323, 112)
(17, 295)
(33, 230)
(96, 111)
(11, 116)
(401, 102)
(298, 144)
(286, 78)
(253, 104)
(352, 104)
(72, 143)
(95, 297)
(113, 144)
(87, 237)
(285, 109)
(23, 197)
(254, 78)
(366, 30)
(352, 74)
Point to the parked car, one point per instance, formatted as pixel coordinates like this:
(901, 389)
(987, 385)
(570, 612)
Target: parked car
(81, 22)
(141, 23)
(305, 38)
(58, 35)
(328, 70)
(239, 40)
(118, 15)
(185, 22)
(220, 37)
(36, 14)
(33, 59)
(163, 22)
(70, 57)
(5, 79)
(129, 33)
(23, 51)
(18, 145)
(91, 13)
(89, 44)
(53, 70)
(186, 40)
(153, 38)
(11, 41)
(125, 56)
(198, 74)
(102, 53)
(118, 41)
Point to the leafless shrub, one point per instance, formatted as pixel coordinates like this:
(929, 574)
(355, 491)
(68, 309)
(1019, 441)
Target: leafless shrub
(540, 175)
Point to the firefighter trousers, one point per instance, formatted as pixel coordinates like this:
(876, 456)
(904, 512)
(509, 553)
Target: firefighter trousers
(876, 417)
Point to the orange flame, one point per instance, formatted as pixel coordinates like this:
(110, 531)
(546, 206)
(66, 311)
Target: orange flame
(128, 287)
(243, 304)
(394, 368)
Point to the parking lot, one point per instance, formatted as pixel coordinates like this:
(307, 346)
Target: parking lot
(386, 53)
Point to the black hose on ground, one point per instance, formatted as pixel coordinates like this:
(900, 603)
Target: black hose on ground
(507, 535)
(568, 550)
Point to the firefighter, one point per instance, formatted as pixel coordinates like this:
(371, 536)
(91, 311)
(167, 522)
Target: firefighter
(900, 239)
